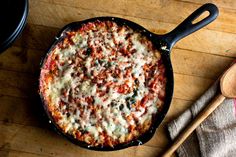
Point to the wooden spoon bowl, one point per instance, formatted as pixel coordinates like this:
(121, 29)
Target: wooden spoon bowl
(228, 82)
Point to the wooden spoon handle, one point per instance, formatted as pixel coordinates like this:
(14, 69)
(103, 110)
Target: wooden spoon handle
(194, 124)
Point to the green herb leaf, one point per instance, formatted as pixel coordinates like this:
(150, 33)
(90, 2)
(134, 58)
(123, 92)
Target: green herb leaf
(88, 51)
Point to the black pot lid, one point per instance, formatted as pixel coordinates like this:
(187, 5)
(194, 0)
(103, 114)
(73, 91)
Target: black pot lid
(13, 14)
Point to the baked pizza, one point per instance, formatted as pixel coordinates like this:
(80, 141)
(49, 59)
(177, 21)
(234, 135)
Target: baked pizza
(103, 83)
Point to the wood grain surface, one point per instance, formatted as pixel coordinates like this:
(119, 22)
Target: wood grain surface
(198, 60)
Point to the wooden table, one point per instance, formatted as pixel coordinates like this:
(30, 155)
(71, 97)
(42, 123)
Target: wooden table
(197, 61)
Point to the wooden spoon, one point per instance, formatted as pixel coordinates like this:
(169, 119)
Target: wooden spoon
(227, 88)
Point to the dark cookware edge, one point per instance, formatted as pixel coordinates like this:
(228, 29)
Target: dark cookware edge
(18, 30)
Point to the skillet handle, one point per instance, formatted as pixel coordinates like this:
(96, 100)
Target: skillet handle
(187, 27)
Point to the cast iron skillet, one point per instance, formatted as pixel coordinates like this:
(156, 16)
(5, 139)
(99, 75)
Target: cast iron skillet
(162, 42)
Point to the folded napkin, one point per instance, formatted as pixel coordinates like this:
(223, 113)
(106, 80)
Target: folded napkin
(216, 136)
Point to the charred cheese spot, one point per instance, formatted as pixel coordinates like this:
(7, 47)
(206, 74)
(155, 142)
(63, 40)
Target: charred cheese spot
(106, 84)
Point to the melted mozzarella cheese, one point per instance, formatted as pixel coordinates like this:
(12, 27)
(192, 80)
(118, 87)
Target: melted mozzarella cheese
(80, 81)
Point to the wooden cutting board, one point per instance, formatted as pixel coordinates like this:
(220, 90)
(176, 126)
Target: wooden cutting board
(197, 61)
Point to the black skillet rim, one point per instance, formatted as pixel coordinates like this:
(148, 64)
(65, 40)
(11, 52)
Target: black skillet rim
(169, 86)
(18, 30)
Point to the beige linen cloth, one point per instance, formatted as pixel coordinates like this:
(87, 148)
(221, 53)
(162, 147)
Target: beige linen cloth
(216, 136)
